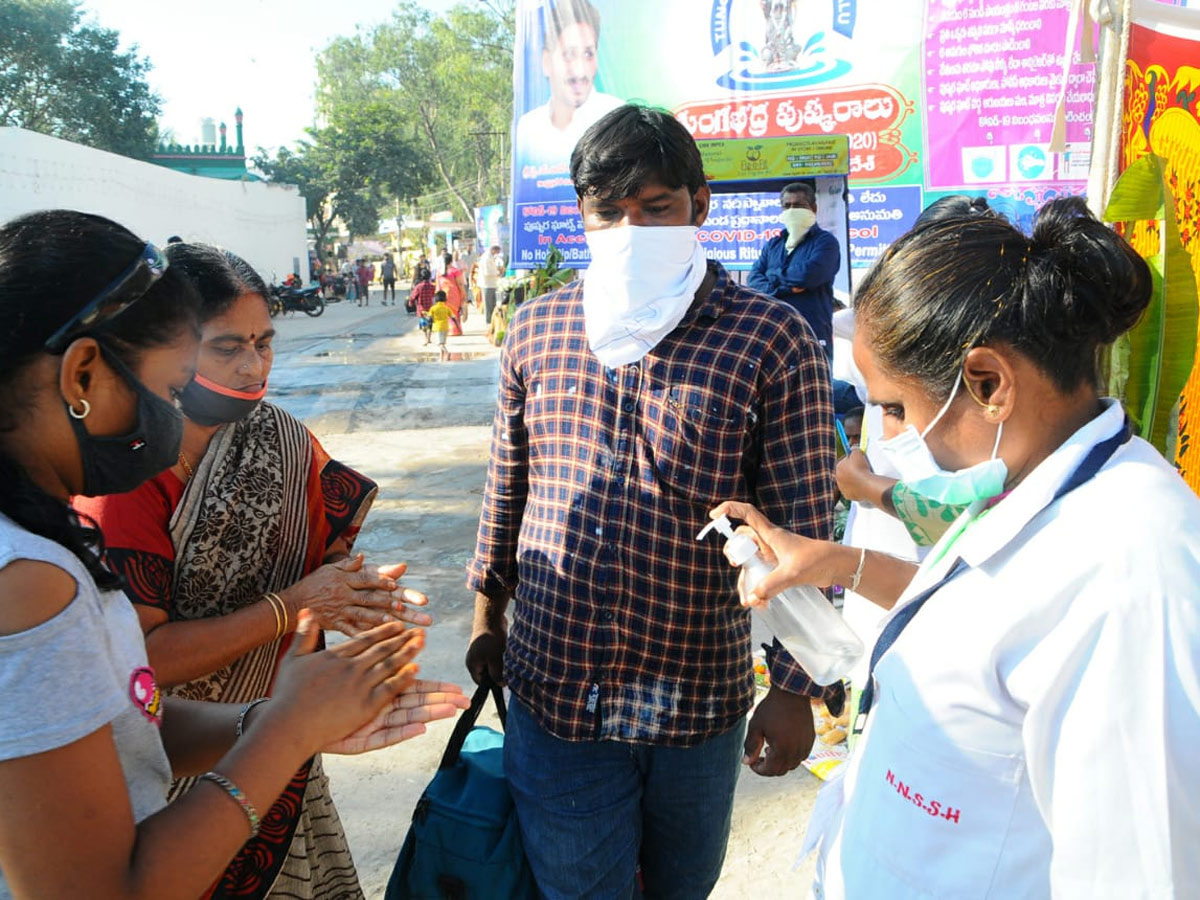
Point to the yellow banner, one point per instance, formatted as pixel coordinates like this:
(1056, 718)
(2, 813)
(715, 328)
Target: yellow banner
(802, 156)
(1160, 114)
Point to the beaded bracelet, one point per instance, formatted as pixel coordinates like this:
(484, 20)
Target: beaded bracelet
(246, 707)
(236, 793)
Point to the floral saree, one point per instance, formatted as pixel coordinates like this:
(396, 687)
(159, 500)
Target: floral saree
(260, 512)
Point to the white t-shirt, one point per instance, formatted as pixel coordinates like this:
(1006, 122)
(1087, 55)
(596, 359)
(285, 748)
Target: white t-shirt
(1036, 725)
(539, 141)
(81, 670)
(490, 269)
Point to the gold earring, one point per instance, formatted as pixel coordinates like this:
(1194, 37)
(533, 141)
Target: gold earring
(993, 410)
(87, 408)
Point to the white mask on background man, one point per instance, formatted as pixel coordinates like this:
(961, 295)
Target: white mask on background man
(797, 221)
(638, 287)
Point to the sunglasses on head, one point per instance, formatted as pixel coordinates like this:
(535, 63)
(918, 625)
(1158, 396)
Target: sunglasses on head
(120, 293)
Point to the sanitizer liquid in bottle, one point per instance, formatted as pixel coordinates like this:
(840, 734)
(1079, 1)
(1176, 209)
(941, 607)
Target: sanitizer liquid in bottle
(806, 623)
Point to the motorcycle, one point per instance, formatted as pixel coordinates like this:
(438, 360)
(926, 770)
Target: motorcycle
(288, 299)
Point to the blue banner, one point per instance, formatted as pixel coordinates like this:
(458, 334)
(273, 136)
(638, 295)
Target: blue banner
(879, 215)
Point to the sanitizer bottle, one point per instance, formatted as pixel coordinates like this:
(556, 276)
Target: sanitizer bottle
(807, 625)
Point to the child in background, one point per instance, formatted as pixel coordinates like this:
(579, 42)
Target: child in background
(422, 299)
(440, 315)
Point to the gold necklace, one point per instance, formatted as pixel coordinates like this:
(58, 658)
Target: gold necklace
(187, 467)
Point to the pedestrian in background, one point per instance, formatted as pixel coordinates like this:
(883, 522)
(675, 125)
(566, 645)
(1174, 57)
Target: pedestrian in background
(364, 283)
(439, 322)
(421, 298)
(350, 279)
(491, 268)
(388, 273)
(452, 284)
(799, 264)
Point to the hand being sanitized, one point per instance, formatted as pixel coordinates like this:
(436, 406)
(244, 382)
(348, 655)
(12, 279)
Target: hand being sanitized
(803, 620)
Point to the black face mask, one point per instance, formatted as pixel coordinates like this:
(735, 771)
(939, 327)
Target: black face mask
(114, 465)
(208, 403)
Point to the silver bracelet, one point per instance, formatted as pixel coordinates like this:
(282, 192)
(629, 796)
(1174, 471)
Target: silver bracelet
(862, 558)
(241, 719)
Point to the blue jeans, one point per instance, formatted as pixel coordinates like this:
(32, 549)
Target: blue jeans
(590, 811)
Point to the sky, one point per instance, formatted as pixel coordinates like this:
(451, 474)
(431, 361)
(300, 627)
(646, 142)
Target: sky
(222, 54)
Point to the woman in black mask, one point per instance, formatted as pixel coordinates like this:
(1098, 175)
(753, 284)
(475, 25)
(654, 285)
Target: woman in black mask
(99, 340)
(252, 523)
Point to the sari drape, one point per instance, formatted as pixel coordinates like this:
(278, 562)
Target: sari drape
(260, 512)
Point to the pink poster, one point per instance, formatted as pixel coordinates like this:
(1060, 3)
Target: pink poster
(993, 73)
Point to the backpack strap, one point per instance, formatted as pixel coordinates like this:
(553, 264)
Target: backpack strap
(467, 721)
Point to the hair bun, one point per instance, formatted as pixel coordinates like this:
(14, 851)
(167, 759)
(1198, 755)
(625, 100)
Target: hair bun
(1099, 282)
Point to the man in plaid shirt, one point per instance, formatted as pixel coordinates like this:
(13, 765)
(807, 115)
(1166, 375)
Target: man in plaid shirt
(628, 654)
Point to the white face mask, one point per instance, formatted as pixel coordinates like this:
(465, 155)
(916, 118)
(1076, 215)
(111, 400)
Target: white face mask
(797, 221)
(639, 287)
(921, 473)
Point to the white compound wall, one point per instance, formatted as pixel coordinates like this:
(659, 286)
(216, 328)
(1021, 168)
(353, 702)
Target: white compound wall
(261, 222)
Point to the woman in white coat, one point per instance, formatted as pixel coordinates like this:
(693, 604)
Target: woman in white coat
(1033, 716)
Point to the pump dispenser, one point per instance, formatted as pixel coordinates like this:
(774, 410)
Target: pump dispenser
(807, 625)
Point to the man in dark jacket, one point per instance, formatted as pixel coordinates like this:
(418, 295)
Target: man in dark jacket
(798, 266)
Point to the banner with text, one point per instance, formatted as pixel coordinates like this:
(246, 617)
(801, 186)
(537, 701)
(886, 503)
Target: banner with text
(935, 97)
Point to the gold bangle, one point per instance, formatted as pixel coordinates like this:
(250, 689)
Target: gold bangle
(270, 598)
(283, 612)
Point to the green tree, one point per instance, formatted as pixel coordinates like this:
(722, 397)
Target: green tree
(447, 81)
(350, 168)
(68, 79)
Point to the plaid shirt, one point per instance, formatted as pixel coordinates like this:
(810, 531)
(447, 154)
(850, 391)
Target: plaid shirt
(422, 294)
(623, 626)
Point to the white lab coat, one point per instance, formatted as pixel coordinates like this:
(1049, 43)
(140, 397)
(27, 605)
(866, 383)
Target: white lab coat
(1036, 728)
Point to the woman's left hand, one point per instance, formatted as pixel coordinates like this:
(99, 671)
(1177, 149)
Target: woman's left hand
(360, 617)
(405, 717)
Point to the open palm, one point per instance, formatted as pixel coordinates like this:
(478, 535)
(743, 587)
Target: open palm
(404, 717)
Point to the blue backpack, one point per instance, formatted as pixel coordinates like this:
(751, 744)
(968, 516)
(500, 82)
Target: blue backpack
(464, 843)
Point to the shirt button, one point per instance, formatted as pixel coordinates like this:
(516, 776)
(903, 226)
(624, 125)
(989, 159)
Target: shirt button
(627, 405)
(607, 615)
